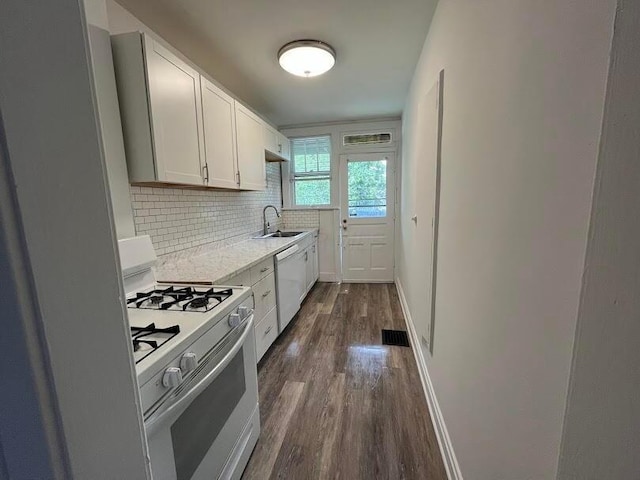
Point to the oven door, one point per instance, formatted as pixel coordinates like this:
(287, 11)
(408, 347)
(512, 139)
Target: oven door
(208, 422)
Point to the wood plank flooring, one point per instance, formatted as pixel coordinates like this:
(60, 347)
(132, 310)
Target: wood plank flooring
(335, 403)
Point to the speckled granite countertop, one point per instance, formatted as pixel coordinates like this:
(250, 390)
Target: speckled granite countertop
(219, 264)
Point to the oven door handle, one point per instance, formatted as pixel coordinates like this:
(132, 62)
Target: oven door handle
(159, 417)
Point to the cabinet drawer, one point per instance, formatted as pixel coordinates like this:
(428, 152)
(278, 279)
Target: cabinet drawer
(264, 293)
(261, 270)
(266, 332)
(242, 279)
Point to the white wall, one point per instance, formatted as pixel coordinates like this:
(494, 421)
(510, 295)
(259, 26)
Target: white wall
(602, 425)
(111, 129)
(523, 100)
(71, 298)
(109, 116)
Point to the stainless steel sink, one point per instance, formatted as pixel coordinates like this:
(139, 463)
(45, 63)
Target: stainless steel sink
(281, 234)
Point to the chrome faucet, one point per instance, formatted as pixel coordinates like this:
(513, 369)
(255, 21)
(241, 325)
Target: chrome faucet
(265, 224)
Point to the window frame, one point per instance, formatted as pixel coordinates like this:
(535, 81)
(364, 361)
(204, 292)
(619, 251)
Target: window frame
(289, 176)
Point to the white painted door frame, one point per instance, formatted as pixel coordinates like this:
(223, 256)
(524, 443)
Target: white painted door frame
(425, 217)
(368, 243)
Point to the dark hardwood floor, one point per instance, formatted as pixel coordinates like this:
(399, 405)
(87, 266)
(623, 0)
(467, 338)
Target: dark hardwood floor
(337, 404)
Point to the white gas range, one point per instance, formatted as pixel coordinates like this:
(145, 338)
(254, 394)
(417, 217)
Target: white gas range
(194, 349)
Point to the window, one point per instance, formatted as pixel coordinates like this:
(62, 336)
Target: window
(367, 188)
(364, 139)
(311, 171)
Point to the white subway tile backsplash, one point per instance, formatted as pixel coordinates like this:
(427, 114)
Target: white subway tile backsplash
(301, 219)
(177, 219)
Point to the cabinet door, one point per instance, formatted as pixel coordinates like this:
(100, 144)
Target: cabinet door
(308, 257)
(314, 259)
(271, 139)
(284, 147)
(250, 141)
(174, 97)
(219, 122)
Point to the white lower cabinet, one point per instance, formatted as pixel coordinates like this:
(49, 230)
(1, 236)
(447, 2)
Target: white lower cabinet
(264, 293)
(266, 332)
(262, 279)
(311, 264)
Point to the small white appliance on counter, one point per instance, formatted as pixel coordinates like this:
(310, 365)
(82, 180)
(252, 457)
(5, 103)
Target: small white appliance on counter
(195, 357)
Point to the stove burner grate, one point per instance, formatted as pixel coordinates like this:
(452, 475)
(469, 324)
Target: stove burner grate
(139, 334)
(187, 299)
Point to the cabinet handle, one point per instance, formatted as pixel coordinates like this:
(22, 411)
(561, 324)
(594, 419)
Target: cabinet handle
(306, 256)
(266, 293)
(206, 170)
(266, 332)
(262, 270)
(279, 148)
(239, 181)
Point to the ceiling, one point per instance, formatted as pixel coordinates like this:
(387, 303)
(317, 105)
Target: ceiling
(377, 43)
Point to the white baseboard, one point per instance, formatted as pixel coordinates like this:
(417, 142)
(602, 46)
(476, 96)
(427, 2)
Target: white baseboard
(367, 281)
(444, 441)
(328, 277)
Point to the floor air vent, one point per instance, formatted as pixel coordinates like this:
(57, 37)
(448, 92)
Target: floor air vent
(395, 337)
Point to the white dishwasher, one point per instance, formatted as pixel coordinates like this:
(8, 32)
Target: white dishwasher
(290, 283)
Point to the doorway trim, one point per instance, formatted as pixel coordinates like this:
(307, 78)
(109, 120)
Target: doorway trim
(367, 229)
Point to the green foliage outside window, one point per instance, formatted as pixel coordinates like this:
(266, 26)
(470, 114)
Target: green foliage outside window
(312, 171)
(368, 188)
(313, 192)
(312, 179)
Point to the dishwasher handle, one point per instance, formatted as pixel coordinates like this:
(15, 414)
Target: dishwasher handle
(287, 253)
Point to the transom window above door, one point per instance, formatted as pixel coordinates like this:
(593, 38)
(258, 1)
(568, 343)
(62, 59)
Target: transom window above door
(311, 171)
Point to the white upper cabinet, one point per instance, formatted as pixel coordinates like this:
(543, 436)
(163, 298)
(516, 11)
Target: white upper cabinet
(284, 147)
(270, 138)
(276, 145)
(218, 114)
(250, 142)
(179, 127)
(161, 110)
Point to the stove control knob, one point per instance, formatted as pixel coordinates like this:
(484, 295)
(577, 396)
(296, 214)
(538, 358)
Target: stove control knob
(172, 377)
(188, 362)
(243, 312)
(234, 320)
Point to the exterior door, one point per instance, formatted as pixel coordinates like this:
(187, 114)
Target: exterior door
(367, 197)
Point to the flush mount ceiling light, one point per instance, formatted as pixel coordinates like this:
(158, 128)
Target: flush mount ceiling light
(307, 58)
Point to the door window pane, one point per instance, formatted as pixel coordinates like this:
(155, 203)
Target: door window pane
(367, 186)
